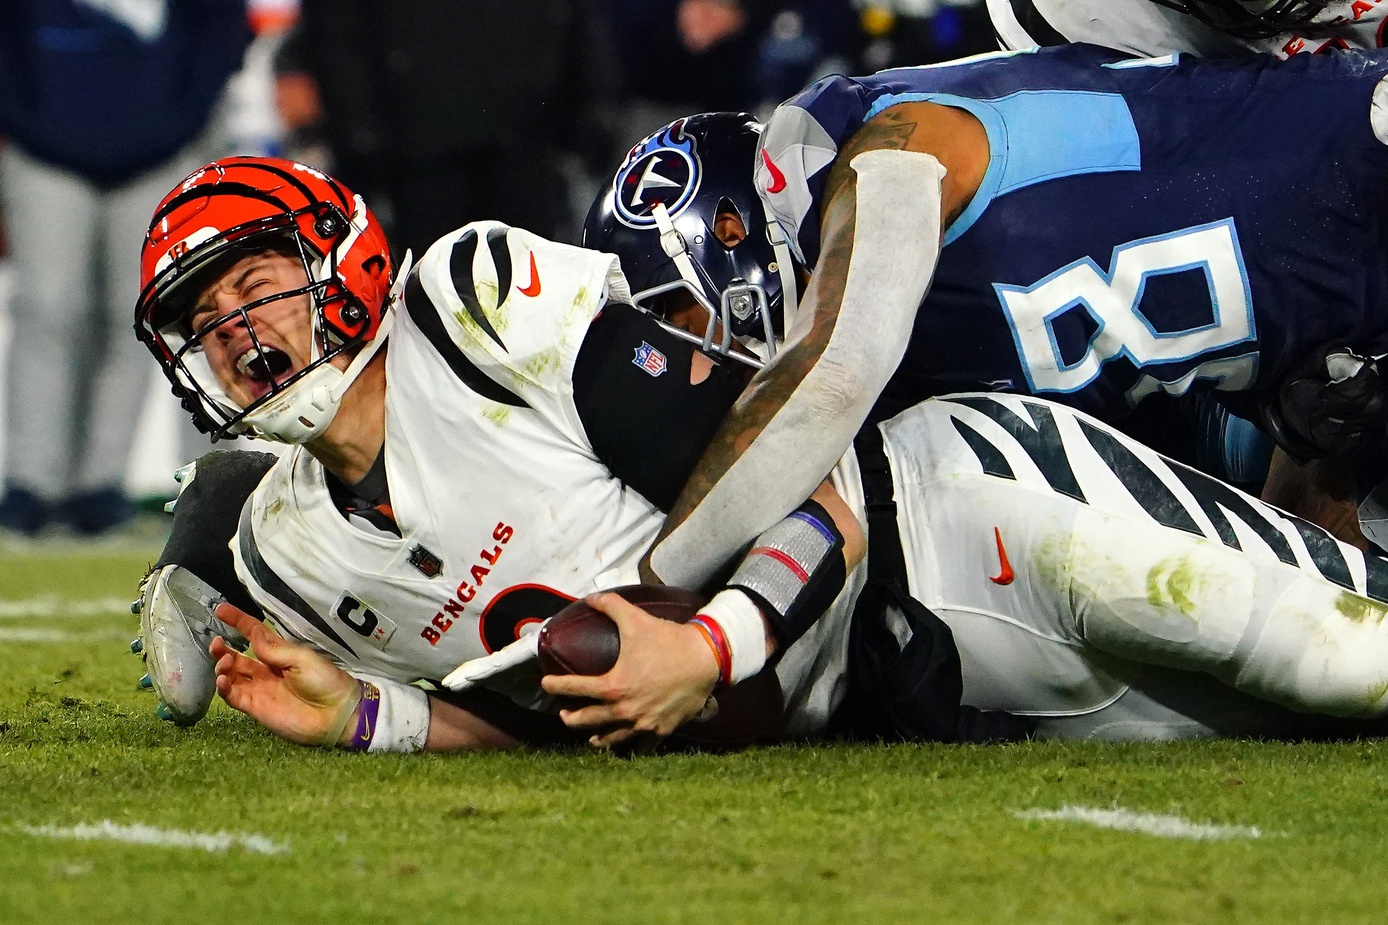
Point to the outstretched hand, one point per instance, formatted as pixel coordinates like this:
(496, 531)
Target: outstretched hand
(663, 678)
(290, 689)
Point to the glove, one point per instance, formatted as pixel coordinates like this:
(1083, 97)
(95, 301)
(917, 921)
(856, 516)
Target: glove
(1334, 404)
(176, 627)
(509, 665)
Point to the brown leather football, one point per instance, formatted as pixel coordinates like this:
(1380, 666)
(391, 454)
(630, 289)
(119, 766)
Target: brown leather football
(581, 640)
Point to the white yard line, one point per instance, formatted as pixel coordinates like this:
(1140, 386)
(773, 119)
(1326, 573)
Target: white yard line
(106, 830)
(51, 605)
(48, 635)
(1125, 820)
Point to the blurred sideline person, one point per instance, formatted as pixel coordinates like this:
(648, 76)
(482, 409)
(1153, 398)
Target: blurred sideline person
(1211, 28)
(1068, 223)
(435, 140)
(105, 107)
(486, 436)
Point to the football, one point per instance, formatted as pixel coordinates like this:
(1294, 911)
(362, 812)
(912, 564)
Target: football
(581, 640)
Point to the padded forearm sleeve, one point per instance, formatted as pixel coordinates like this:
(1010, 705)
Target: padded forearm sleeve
(896, 243)
(794, 571)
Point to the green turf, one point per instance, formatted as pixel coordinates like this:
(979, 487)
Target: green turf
(785, 835)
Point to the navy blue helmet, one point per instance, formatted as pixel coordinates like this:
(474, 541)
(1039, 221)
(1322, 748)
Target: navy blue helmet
(659, 213)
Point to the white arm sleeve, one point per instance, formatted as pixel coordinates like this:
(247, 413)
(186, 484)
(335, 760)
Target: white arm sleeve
(896, 243)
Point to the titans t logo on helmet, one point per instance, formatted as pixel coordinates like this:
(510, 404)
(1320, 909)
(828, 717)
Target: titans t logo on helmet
(661, 169)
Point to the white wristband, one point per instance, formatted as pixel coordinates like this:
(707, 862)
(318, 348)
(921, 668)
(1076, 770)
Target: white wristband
(743, 628)
(402, 719)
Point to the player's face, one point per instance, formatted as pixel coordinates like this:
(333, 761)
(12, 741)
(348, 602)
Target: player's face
(282, 327)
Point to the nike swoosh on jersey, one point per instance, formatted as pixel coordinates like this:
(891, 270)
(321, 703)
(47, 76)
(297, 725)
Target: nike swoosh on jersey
(778, 179)
(1005, 576)
(534, 288)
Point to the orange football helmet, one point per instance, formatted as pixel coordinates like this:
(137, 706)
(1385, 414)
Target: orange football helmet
(225, 211)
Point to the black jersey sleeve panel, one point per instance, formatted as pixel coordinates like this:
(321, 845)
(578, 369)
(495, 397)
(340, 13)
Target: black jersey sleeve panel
(644, 419)
(205, 519)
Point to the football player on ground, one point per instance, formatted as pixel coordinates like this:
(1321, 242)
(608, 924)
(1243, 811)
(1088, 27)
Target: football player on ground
(497, 438)
(1067, 223)
(1211, 28)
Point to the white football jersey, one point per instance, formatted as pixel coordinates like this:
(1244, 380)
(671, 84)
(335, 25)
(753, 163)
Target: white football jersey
(1106, 591)
(506, 513)
(1145, 28)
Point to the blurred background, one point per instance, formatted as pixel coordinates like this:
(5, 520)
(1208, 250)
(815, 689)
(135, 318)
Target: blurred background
(437, 113)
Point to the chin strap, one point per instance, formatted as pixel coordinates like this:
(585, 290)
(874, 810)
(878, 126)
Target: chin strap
(303, 411)
(374, 345)
(785, 266)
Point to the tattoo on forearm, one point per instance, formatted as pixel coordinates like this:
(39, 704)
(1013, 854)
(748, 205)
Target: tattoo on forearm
(771, 388)
(886, 132)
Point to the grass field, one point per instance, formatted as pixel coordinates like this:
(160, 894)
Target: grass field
(246, 829)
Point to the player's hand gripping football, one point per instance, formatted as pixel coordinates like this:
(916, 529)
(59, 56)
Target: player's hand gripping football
(663, 678)
(290, 689)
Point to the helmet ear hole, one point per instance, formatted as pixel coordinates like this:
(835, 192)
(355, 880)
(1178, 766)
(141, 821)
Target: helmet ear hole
(728, 225)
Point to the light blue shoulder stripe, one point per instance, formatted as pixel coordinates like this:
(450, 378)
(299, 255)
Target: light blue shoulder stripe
(1039, 135)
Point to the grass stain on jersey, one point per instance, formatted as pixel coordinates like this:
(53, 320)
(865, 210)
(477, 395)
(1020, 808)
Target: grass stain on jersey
(1374, 698)
(498, 415)
(541, 363)
(1358, 609)
(497, 311)
(1174, 581)
(274, 509)
(486, 293)
(1050, 561)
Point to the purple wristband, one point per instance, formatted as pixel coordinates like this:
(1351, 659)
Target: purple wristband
(366, 719)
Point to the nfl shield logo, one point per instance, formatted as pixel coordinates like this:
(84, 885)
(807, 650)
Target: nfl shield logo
(650, 359)
(429, 565)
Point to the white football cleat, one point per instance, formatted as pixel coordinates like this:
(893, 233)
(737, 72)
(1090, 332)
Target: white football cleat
(177, 624)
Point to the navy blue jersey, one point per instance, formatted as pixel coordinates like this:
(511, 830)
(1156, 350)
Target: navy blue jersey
(1143, 225)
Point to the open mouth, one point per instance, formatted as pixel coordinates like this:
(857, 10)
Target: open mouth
(264, 367)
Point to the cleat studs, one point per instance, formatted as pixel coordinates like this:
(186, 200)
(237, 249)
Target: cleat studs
(146, 684)
(163, 712)
(137, 646)
(137, 605)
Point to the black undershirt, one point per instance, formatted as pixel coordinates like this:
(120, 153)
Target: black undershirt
(648, 429)
(369, 499)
